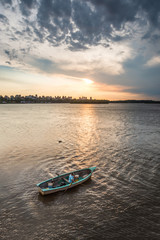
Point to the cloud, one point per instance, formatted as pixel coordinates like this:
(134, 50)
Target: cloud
(153, 61)
(145, 91)
(140, 78)
(6, 2)
(3, 19)
(44, 65)
(9, 63)
(53, 19)
(136, 78)
(89, 22)
(11, 54)
(26, 6)
(81, 24)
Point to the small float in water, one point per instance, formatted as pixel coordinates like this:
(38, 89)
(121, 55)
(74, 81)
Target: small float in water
(61, 182)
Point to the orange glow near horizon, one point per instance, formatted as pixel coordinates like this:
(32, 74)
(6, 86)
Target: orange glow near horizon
(24, 83)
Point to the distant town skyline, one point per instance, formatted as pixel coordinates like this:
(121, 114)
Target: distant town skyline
(47, 99)
(37, 96)
(65, 99)
(100, 48)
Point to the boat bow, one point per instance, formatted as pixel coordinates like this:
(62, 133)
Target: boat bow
(92, 169)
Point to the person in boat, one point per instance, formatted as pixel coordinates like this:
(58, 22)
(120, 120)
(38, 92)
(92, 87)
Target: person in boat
(52, 181)
(71, 178)
(50, 184)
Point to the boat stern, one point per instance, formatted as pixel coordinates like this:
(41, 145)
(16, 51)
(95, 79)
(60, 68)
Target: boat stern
(41, 191)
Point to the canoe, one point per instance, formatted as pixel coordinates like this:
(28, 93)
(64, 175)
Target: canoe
(61, 183)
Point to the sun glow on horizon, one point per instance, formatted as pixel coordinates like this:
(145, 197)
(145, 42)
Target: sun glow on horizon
(88, 81)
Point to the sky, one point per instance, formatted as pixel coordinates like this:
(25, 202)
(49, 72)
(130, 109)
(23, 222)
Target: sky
(105, 49)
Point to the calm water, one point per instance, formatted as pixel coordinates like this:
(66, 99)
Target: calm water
(121, 201)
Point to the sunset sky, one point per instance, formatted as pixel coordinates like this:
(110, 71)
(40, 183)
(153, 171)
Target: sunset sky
(107, 49)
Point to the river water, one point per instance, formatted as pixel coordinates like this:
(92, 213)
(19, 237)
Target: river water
(121, 201)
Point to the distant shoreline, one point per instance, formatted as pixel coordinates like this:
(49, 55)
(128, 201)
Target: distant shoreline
(86, 102)
(64, 99)
(135, 101)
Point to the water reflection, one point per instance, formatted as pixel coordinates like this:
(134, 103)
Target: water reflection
(86, 134)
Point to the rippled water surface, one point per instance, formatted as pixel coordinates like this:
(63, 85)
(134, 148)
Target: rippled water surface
(121, 201)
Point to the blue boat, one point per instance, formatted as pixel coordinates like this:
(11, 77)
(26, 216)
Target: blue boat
(61, 182)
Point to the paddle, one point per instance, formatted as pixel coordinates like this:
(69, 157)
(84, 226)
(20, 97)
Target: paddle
(51, 175)
(65, 180)
(67, 188)
(69, 184)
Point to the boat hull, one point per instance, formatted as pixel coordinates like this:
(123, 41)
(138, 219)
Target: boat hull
(46, 191)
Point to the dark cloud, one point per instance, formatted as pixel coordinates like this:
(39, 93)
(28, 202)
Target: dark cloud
(151, 37)
(26, 6)
(8, 62)
(54, 20)
(81, 24)
(3, 19)
(6, 2)
(28, 3)
(76, 46)
(116, 12)
(126, 10)
(25, 50)
(152, 10)
(7, 52)
(12, 54)
(44, 65)
(84, 23)
(19, 33)
(13, 38)
(143, 90)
